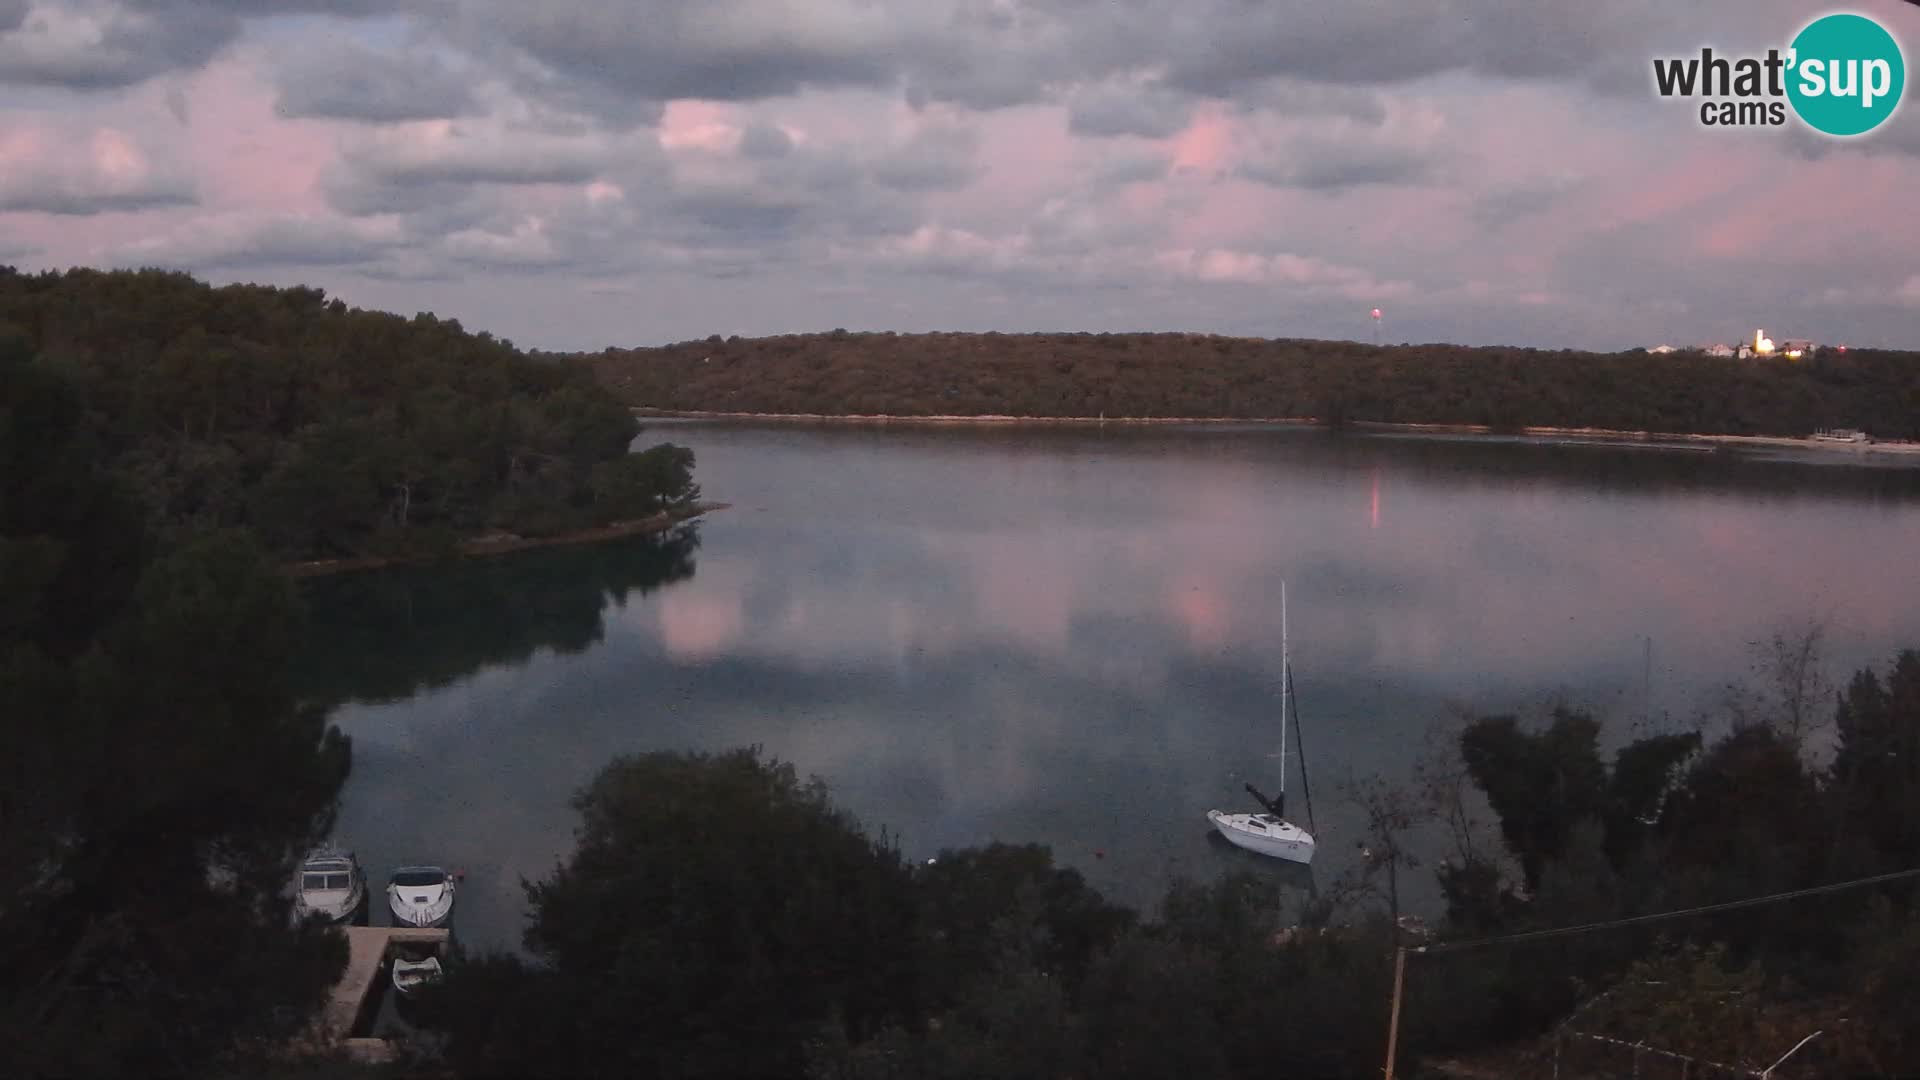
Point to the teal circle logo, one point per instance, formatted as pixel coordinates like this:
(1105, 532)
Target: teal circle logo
(1846, 74)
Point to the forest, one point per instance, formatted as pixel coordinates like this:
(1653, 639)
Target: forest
(327, 431)
(1332, 382)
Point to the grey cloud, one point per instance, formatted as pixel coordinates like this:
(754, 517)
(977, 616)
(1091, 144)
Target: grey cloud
(346, 81)
(1131, 169)
(73, 185)
(739, 210)
(727, 50)
(1294, 98)
(1899, 135)
(806, 199)
(1147, 111)
(763, 141)
(53, 199)
(1322, 163)
(618, 61)
(937, 157)
(95, 45)
(1496, 208)
(484, 154)
(353, 192)
(249, 242)
(1230, 43)
(262, 8)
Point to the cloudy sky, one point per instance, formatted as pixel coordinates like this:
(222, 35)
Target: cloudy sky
(583, 173)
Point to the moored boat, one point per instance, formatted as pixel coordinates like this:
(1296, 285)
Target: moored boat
(414, 969)
(1271, 833)
(1266, 834)
(330, 885)
(420, 896)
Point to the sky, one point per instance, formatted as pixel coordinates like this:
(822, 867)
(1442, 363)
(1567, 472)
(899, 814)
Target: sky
(579, 174)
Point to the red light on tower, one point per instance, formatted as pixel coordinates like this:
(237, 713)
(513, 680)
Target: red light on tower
(1376, 313)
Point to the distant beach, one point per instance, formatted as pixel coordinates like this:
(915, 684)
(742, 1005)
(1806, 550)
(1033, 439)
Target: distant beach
(1675, 440)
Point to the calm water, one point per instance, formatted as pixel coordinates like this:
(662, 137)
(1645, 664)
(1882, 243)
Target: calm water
(1073, 636)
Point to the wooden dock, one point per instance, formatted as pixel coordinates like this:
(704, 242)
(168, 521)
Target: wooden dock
(348, 1015)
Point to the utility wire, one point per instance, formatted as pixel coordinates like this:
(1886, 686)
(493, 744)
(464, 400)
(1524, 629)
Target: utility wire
(1705, 909)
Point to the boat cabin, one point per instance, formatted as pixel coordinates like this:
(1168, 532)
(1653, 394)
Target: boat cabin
(318, 878)
(416, 877)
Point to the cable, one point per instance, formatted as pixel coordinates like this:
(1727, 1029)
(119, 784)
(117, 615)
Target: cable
(1755, 901)
(1300, 741)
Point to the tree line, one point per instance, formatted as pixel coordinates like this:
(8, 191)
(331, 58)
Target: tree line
(721, 917)
(1334, 382)
(329, 431)
(158, 778)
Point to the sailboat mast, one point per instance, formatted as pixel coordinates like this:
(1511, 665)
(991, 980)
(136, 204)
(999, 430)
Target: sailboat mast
(1284, 680)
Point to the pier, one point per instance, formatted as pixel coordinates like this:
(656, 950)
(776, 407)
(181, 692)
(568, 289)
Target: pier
(347, 1018)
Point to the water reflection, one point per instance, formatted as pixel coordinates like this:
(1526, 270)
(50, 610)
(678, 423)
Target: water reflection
(390, 634)
(1072, 637)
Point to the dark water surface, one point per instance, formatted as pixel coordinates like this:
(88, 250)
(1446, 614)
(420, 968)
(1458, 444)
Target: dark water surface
(1072, 636)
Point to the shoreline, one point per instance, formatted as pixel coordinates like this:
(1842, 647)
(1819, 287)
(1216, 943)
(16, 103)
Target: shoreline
(506, 544)
(1678, 440)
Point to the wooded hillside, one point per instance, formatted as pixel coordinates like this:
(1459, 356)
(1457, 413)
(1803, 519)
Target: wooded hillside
(327, 430)
(1193, 375)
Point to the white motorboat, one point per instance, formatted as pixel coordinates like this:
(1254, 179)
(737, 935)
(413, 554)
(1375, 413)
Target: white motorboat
(420, 896)
(330, 885)
(1271, 833)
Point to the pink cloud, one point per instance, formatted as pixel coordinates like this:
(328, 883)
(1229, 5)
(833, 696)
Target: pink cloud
(699, 125)
(250, 157)
(1206, 146)
(1794, 207)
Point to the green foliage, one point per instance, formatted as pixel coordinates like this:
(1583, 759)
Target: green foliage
(1540, 784)
(1336, 382)
(638, 485)
(1875, 774)
(157, 780)
(977, 904)
(1685, 822)
(325, 430)
(716, 913)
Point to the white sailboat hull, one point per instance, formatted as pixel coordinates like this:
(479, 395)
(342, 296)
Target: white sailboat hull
(1264, 835)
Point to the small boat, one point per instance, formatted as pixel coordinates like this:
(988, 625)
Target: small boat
(413, 969)
(420, 896)
(330, 885)
(1842, 435)
(1271, 833)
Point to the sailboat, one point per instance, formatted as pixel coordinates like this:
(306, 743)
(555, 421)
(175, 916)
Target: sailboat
(1271, 833)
